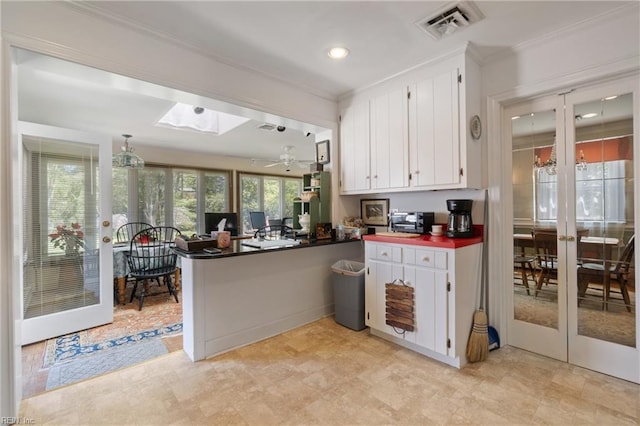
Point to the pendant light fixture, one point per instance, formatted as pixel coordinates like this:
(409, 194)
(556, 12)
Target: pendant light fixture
(550, 165)
(126, 158)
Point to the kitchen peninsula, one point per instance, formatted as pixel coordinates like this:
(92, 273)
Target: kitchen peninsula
(244, 294)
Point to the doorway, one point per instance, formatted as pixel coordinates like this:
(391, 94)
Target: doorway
(574, 167)
(65, 218)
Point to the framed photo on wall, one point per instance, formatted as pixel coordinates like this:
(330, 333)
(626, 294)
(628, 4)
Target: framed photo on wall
(375, 212)
(322, 152)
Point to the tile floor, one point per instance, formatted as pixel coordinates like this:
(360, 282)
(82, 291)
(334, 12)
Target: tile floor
(326, 374)
(158, 311)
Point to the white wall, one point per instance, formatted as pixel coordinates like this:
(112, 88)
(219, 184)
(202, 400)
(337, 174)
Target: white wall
(73, 33)
(562, 60)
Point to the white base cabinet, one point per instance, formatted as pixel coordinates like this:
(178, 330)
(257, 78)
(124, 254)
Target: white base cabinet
(446, 287)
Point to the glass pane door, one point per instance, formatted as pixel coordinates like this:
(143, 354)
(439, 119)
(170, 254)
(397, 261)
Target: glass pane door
(603, 313)
(66, 278)
(573, 295)
(538, 284)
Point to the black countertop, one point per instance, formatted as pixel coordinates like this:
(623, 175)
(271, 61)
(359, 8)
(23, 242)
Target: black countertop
(237, 249)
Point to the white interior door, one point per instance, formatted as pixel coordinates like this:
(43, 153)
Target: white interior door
(573, 174)
(65, 230)
(602, 311)
(537, 303)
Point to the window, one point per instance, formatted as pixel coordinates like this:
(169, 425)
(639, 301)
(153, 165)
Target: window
(60, 193)
(166, 196)
(600, 193)
(272, 194)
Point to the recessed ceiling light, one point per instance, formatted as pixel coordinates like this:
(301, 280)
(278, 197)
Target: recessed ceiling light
(609, 98)
(338, 52)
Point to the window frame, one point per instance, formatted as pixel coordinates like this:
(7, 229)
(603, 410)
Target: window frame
(133, 197)
(262, 176)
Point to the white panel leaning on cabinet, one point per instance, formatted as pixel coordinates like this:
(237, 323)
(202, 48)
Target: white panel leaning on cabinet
(445, 283)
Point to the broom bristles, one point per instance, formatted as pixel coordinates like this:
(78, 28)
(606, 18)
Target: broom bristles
(478, 344)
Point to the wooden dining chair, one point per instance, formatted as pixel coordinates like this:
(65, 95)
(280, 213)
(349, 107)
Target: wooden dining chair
(523, 266)
(618, 273)
(151, 257)
(545, 244)
(128, 230)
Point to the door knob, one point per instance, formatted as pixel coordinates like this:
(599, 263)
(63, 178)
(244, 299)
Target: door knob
(571, 238)
(106, 239)
(106, 223)
(562, 238)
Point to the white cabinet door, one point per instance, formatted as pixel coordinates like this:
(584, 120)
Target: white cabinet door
(434, 131)
(431, 296)
(390, 140)
(355, 149)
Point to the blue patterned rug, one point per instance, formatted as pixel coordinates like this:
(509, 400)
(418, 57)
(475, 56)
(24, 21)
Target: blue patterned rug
(71, 346)
(103, 362)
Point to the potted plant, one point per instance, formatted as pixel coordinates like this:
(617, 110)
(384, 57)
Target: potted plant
(71, 240)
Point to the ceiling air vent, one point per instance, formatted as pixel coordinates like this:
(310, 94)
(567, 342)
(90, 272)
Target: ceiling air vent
(450, 19)
(267, 126)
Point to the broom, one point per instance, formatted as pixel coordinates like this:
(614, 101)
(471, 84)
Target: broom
(478, 344)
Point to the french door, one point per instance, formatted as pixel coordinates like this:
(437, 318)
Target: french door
(574, 165)
(64, 223)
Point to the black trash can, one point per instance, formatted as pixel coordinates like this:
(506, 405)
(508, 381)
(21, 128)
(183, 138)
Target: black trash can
(348, 293)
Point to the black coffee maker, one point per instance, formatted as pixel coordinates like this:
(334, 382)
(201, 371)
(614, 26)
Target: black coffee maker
(459, 224)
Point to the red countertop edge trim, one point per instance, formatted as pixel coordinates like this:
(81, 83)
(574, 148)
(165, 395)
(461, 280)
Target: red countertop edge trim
(430, 241)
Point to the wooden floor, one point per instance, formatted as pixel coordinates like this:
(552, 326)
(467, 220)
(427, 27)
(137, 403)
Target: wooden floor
(326, 374)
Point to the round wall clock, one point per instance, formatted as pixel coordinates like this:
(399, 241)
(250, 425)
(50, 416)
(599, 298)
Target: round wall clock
(476, 127)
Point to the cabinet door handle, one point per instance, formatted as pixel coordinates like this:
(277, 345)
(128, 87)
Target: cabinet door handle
(426, 259)
(384, 253)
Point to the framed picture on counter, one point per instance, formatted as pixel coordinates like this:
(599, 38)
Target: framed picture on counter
(375, 212)
(323, 231)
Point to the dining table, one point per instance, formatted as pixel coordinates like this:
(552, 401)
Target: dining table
(121, 271)
(598, 249)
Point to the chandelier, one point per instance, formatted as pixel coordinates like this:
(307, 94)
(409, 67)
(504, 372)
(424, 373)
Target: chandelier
(126, 157)
(550, 166)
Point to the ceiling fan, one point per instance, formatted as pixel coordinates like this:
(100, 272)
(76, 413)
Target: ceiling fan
(287, 159)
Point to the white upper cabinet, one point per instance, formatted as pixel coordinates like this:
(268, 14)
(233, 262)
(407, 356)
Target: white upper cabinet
(434, 131)
(418, 134)
(355, 168)
(389, 140)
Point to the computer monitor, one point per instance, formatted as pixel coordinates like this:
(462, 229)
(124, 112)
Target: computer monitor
(258, 219)
(212, 219)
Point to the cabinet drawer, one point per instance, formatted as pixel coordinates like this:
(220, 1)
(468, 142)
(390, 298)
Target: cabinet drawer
(428, 258)
(389, 253)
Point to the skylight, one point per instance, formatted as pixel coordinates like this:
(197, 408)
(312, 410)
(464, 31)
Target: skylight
(189, 117)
